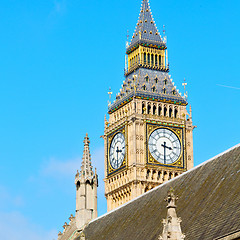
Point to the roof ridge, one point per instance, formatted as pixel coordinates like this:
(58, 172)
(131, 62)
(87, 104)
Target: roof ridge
(171, 180)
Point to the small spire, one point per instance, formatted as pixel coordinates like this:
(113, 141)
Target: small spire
(86, 168)
(171, 225)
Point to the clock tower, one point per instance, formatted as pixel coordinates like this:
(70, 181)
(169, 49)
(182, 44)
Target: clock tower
(148, 137)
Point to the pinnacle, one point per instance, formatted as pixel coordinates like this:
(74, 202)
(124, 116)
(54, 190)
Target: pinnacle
(86, 168)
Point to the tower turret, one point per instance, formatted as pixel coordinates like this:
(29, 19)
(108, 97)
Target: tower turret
(86, 189)
(148, 136)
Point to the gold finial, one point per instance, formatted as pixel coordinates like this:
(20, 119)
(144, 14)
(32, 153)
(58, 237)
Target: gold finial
(184, 85)
(110, 94)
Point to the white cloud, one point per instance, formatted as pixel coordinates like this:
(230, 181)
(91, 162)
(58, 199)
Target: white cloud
(59, 7)
(8, 199)
(65, 168)
(14, 225)
(60, 168)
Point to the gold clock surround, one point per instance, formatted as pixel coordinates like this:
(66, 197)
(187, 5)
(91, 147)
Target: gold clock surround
(179, 163)
(110, 169)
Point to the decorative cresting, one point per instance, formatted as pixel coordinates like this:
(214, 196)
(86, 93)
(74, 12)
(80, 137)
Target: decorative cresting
(171, 225)
(67, 228)
(86, 189)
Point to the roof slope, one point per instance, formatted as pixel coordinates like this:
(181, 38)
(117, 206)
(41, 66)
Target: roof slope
(148, 83)
(209, 205)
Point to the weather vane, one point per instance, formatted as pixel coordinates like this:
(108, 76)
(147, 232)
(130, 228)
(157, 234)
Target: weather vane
(164, 34)
(184, 85)
(110, 94)
(127, 43)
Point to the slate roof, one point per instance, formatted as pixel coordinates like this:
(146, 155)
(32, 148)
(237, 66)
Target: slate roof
(147, 28)
(152, 80)
(209, 205)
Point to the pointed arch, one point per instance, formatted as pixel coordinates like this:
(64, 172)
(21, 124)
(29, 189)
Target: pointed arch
(170, 112)
(143, 108)
(175, 112)
(148, 108)
(78, 185)
(154, 109)
(148, 58)
(159, 110)
(165, 111)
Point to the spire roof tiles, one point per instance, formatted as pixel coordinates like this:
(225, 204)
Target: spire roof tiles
(149, 83)
(146, 30)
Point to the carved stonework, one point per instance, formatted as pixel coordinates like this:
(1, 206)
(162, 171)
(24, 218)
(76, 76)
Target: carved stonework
(171, 225)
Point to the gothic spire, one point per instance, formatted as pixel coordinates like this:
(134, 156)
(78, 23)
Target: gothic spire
(171, 225)
(146, 30)
(86, 168)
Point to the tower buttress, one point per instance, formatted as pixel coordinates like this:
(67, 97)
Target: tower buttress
(86, 189)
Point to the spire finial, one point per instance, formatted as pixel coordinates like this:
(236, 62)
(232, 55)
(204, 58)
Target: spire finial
(171, 225)
(184, 85)
(110, 94)
(86, 168)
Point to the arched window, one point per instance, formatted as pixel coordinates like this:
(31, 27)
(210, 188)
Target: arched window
(144, 87)
(175, 112)
(145, 58)
(165, 111)
(152, 59)
(159, 110)
(159, 175)
(170, 112)
(156, 80)
(165, 176)
(156, 60)
(143, 108)
(170, 176)
(154, 89)
(78, 185)
(154, 109)
(165, 81)
(148, 109)
(147, 78)
(148, 59)
(164, 91)
(159, 60)
(148, 173)
(174, 92)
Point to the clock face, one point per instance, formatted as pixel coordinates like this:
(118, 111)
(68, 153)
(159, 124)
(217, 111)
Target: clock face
(164, 145)
(117, 151)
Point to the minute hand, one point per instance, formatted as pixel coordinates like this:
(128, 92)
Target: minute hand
(164, 148)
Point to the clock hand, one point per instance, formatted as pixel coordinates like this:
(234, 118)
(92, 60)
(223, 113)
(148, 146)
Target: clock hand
(117, 154)
(164, 150)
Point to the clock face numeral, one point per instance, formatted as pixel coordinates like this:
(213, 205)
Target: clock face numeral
(164, 146)
(117, 151)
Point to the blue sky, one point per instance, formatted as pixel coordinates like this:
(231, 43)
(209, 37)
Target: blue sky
(58, 59)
